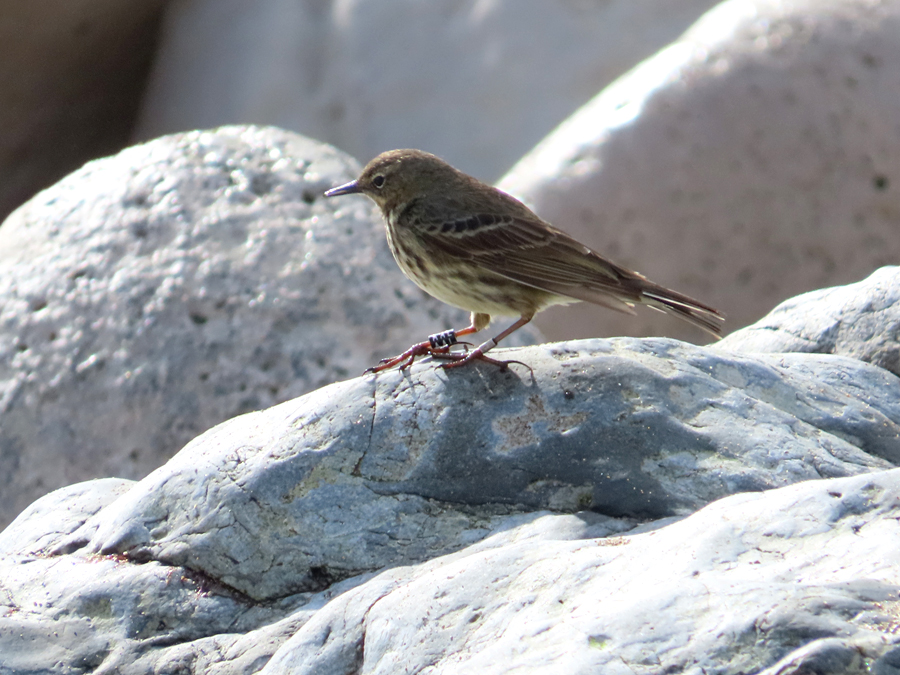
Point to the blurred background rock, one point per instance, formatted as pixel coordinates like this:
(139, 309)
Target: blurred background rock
(72, 78)
(748, 159)
(476, 82)
(741, 153)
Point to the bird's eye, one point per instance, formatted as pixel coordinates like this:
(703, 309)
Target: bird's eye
(378, 181)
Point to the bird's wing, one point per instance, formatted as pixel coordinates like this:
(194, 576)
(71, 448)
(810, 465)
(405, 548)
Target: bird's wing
(530, 252)
(536, 254)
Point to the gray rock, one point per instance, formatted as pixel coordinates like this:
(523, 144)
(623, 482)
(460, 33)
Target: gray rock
(478, 83)
(753, 159)
(44, 524)
(733, 588)
(861, 320)
(625, 506)
(888, 663)
(154, 294)
(400, 468)
(798, 576)
(110, 615)
(87, 613)
(826, 656)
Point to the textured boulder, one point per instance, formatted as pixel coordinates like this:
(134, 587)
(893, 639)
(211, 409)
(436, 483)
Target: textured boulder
(237, 570)
(475, 82)
(753, 159)
(861, 320)
(151, 295)
(284, 500)
(626, 505)
(804, 575)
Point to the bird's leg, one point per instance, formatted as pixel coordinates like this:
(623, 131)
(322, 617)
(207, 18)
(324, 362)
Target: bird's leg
(479, 352)
(437, 344)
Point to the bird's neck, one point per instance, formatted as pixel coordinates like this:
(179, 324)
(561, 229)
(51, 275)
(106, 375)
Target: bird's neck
(397, 211)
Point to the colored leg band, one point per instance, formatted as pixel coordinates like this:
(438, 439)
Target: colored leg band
(445, 339)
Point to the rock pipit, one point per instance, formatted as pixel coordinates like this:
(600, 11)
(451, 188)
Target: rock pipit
(472, 246)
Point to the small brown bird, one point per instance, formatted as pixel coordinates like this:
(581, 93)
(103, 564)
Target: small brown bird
(472, 246)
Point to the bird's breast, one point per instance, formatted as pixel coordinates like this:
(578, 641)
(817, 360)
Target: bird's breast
(460, 282)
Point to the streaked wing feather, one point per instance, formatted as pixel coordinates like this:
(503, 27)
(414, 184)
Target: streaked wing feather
(557, 267)
(526, 247)
(536, 254)
(596, 297)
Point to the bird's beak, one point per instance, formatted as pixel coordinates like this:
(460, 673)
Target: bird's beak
(351, 188)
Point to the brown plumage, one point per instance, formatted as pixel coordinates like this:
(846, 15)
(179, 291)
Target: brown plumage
(472, 246)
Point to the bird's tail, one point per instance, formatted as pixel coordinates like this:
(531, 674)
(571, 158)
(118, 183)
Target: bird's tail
(692, 311)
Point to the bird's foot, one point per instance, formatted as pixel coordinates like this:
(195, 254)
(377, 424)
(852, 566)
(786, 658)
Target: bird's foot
(438, 345)
(458, 360)
(405, 360)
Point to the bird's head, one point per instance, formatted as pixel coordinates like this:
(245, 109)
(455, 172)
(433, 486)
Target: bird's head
(396, 177)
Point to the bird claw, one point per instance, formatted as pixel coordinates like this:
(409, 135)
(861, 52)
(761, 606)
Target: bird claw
(476, 355)
(406, 359)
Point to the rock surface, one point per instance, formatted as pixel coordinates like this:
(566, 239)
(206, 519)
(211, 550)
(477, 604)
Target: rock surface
(284, 500)
(755, 158)
(861, 320)
(618, 506)
(628, 506)
(153, 294)
(73, 76)
(804, 575)
(477, 82)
